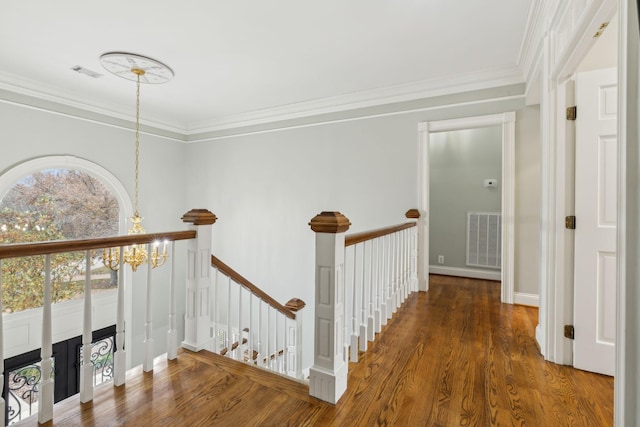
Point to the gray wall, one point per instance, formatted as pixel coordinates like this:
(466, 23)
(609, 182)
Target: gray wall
(459, 162)
(527, 200)
(265, 187)
(27, 133)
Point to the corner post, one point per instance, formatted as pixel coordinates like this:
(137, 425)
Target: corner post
(414, 215)
(328, 375)
(197, 334)
(294, 338)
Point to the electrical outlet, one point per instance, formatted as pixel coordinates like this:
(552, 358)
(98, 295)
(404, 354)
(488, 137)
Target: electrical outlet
(440, 259)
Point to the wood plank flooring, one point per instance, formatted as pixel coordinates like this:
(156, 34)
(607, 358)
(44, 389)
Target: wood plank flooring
(453, 356)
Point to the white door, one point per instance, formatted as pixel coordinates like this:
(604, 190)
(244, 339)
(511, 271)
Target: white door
(596, 212)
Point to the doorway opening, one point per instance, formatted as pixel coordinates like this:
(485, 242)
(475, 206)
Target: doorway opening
(506, 123)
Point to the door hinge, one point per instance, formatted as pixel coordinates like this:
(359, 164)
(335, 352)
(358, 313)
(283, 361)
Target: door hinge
(572, 112)
(570, 222)
(569, 332)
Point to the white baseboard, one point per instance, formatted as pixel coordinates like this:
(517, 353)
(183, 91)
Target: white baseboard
(465, 272)
(523, 298)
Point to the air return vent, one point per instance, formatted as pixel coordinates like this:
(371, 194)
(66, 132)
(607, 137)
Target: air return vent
(86, 71)
(484, 239)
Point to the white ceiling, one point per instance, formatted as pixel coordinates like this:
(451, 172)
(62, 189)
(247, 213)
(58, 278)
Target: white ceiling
(240, 60)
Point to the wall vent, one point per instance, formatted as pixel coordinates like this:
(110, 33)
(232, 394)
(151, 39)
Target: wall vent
(484, 238)
(87, 72)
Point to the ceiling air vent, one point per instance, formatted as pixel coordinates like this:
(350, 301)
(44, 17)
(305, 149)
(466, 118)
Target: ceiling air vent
(86, 71)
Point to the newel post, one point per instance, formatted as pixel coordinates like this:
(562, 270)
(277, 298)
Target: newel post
(413, 214)
(328, 376)
(197, 334)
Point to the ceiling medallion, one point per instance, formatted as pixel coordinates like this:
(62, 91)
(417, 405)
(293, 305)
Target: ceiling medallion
(122, 65)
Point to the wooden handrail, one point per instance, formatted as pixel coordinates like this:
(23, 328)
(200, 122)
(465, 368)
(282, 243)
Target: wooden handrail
(17, 250)
(353, 239)
(238, 278)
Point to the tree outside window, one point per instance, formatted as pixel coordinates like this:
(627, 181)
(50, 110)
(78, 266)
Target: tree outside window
(54, 204)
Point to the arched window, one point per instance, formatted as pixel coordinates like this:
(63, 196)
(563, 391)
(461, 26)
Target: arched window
(56, 198)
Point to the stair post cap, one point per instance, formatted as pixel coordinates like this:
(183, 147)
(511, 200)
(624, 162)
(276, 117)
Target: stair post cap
(295, 304)
(412, 214)
(199, 217)
(330, 222)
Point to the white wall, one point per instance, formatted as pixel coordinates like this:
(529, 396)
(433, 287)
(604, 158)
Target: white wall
(27, 133)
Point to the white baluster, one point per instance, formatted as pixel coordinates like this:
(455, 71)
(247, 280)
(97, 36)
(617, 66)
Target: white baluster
(363, 304)
(45, 400)
(276, 350)
(172, 334)
(391, 302)
(354, 311)
(408, 262)
(298, 343)
(229, 341)
(414, 259)
(376, 288)
(405, 276)
(215, 312)
(389, 279)
(119, 357)
(384, 288)
(260, 335)
(238, 353)
(399, 270)
(289, 367)
(250, 343)
(371, 333)
(86, 369)
(267, 360)
(2, 402)
(147, 364)
(285, 346)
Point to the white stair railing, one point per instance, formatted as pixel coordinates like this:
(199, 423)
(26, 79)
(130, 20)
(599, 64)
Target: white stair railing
(358, 288)
(46, 387)
(248, 325)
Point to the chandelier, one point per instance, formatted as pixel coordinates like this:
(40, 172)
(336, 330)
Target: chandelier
(146, 70)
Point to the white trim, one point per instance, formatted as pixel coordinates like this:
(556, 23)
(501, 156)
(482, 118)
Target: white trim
(202, 138)
(476, 80)
(523, 298)
(465, 272)
(507, 120)
(626, 393)
(563, 46)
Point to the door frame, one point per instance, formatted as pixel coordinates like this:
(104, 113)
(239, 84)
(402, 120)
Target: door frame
(559, 61)
(507, 121)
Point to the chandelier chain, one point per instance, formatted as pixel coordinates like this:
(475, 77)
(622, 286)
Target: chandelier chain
(137, 140)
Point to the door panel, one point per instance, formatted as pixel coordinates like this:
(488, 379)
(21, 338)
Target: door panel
(596, 213)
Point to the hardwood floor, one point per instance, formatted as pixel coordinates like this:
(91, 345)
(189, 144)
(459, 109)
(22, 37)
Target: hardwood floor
(453, 356)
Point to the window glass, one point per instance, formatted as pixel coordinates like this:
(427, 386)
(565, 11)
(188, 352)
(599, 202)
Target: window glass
(55, 204)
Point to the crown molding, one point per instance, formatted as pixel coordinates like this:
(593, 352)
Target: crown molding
(541, 14)
(476, 80)
(33, 94)
(45, 97)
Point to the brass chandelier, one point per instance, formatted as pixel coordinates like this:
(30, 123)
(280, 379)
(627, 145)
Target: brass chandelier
(138, 68)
